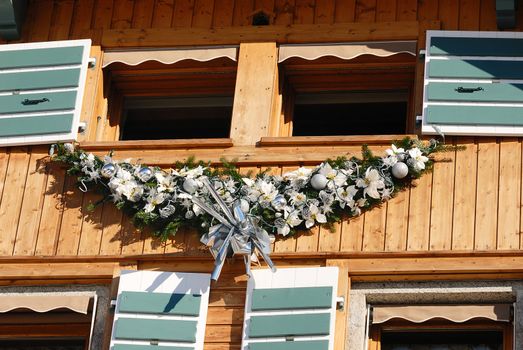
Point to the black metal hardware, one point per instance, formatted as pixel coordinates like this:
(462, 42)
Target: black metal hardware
(28, 102)
(461, 89)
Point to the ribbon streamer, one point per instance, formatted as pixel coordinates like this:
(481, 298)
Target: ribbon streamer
(236, 234)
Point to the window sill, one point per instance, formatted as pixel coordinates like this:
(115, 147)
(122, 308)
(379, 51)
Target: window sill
(157, 144)
(331, 140)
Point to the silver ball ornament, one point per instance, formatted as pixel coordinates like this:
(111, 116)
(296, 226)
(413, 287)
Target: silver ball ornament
(400, 170)
(244, 206)
(108, 170)
(279, 202)
(145, 174)
(319, 181)
(190, 186)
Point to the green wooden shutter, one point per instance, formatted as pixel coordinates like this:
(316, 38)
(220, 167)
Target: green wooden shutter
(41, 91)
(291, 309)
(160, 310)
(473, 83)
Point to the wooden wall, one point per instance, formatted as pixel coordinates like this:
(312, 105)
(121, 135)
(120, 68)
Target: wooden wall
(63, 19)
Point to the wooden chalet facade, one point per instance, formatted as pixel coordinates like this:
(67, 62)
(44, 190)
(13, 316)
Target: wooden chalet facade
(462, 223)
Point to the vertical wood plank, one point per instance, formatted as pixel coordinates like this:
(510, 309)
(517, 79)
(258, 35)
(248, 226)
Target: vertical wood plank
(442, 202)
(449, 14)
(163, 14)
(487, 16)
(41, 23)
(487, 194)
(183, 11)
(374, 229)
(131, 237)
(51, 211)
(365, 11)
(103, 14)
(385, 10)
(111, 227)
(428, 10)
(509, 194)
(31, 211)
(4, 162)
(71, 226)
(307, 241)
(284, 11)
(304, 12)
(407, 10)
(465, 196)
(61, 21)
(143, 14)
(12, 198)
(397, 222)
(122, 14)
(345, 11)
(257, 70)
(242, 12)
(352, 234)
(91, 234)
(82, 16)
(419, 214)
(203, 13)
(151, 244)
(330, 239)
(469, 12)
(324, 11)
(223, 12)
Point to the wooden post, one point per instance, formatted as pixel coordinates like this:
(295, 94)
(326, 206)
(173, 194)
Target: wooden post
(255, 93)
(340, 329)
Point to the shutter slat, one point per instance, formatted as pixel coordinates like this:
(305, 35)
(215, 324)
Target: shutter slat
(289, 325)
(48, 79)
(501, 92)
(476, 69)
(36, 125)
(290, 345)
(42, 57)
(160, 303)
(475, 115)
(155, 329)
(292, 298)
(49, 101)
(459, 46)
(149, 347)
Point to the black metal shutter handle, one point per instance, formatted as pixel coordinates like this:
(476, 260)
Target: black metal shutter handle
(462, 90)
(28, 102)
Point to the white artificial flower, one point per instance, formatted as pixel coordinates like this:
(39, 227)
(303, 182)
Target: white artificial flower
(267, 193)
(87, 160)
(417, 160)
(190, 173)
(290, 220)
(312, 215)
(68, 147)
(165, 182)
(153, 199)
(335, 178)
(297, 198)
(197, 210)
(248, 182)
(394, 151)
(371, 183)
(346, 194)
(298, 178)
(390, 160)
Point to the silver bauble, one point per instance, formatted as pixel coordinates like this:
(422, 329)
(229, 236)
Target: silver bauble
(244, 205)
(319, 181)
(190, 185)
(145, 174)
(400, 170)
(108, 170)
(279, 203)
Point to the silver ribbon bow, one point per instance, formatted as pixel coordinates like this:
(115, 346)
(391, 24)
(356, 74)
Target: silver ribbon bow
(236, 234)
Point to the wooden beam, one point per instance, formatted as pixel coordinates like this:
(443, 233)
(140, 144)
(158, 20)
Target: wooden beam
(291, 34)
(56, 270)
(343, 291)
(254, 96)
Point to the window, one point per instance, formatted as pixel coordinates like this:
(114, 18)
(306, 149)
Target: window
(170, 94)
(353, 89)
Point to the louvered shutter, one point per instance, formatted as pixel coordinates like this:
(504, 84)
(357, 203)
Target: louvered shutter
(41, 91)
(160, 310)
(473, 83)
(291, 309)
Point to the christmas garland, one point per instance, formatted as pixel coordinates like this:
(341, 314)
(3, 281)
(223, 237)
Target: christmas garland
(165, 199)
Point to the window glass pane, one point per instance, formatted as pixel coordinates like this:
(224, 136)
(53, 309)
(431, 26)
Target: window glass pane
(43, 344)
(462, 340)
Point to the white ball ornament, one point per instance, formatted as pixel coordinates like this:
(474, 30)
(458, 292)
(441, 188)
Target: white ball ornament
(319, 181)
(400, 170)
(190, 186)
(108, 170)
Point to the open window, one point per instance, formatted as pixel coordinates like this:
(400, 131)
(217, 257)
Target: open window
(170, 94)
(347, 89)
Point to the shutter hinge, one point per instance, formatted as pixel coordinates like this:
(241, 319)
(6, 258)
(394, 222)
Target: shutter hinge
(112, 304)
(340, 303)
(91, 62)
(82, 127)
(422, 53)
